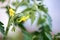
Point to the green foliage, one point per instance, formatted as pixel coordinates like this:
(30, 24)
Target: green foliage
(32, 16)
(48, 36)
(26, 35)
(42, 8)
(31, 12)
(31, 9)
(1, 28)
(2, 0)
(45, 27)
(56, 36)
(41, 20)
(21, 26)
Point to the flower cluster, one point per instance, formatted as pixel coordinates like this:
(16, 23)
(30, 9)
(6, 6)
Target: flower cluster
(11, 12)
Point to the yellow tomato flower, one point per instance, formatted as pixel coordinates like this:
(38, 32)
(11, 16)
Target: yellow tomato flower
(24, 18)
(11, 12)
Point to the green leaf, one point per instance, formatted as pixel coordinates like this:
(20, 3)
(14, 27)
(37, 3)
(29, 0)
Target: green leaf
(42, 8)
(45, 36)
(32, 16)
(27, 36)
(47, 28)
(14, 4)
(26, 11)
(49, 21)
(48, 36)
(37, 35)
(24, 2)
(1, 28)
(56, 36)
(21, 26)
(40, 37)
(41, 20)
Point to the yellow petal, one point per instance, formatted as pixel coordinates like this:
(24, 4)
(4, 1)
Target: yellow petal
(11, 12)
(24, 18)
